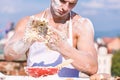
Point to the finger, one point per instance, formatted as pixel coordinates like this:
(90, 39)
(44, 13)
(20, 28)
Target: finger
(92, 78)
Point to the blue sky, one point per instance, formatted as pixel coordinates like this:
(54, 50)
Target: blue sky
(105, 14)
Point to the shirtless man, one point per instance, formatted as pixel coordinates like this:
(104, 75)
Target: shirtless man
(79, 45)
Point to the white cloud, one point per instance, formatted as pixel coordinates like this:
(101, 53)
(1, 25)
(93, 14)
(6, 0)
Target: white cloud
(114, 7)
(97, 4)
(18, 6)
(9, 6)
(92, 4)
(8, 9)
(91, 7)
(113, 4)
(94, 7)
(114, 1)
(89, 12)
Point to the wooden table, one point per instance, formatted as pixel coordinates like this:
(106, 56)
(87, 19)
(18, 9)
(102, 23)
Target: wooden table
(42, 78)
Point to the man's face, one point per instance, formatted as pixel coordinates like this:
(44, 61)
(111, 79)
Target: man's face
(62, 7)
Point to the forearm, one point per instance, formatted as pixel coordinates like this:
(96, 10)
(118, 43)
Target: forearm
(83, 61)
(14, 50)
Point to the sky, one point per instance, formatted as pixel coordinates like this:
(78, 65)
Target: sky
(104, 14)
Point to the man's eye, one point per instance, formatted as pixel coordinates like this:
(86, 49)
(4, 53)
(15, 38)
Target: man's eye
(63, 1)
(72, 4)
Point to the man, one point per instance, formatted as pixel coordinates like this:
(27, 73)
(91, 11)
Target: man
(76, 42)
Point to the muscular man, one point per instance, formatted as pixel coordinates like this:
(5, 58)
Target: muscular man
(76, 42)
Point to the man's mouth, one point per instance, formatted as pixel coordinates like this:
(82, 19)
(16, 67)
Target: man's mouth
(61, 12)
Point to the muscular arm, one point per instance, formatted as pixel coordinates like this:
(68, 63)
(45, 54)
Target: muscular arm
(85, 57)
(86, 47)
(14, 42)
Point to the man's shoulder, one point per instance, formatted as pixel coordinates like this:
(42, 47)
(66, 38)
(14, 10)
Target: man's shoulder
(82, 23)
(77, 17)
(80, 19)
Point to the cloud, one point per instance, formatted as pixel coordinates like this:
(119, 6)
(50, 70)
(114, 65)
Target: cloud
(89, 12)
(92, 4)
(94, 7)
(18, 6)
(6, 7)
(10, 6)
(114, 7)
(113, 4)
(114, 1)
(90, 8)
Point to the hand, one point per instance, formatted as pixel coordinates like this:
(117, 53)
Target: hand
(34, 32)
(56, 39)
(100, 76)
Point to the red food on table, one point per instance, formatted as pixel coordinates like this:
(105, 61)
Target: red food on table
(41, 71)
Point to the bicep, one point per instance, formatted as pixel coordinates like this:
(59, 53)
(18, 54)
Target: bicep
(86, 38)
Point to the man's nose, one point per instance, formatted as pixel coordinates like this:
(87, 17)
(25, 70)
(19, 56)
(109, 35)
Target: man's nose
(65, 7)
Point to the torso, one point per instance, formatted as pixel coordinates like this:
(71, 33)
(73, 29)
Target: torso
(75, 31)
(38, 56)
(76, 34)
